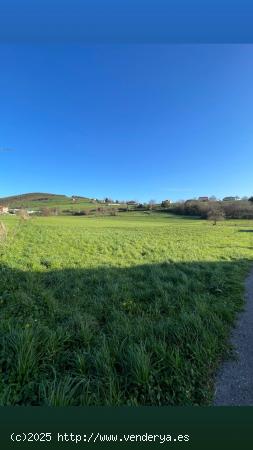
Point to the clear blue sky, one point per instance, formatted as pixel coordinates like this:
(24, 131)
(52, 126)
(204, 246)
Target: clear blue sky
(126, 121)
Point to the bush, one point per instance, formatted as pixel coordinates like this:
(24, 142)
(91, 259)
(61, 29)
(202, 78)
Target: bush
(23, 214)
(83, 212)
(165, 204)
(100, 210)
(238, 210)
(50, 211)
(229, 210)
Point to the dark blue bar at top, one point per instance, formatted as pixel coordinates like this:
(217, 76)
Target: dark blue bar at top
(131, 21)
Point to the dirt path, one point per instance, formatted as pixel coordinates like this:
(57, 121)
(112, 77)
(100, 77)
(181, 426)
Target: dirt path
(234, 383)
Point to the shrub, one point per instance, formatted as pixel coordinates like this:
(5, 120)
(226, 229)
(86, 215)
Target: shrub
(165, 204)
(83, 212)
(50, 211)
(238, 210)
(45, 212)
(230, 210)
(23, 214)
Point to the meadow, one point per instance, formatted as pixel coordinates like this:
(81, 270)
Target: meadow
(134, 309)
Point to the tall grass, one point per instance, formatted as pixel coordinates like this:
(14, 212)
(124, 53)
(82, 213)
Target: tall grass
(117, 311)
(3, 233)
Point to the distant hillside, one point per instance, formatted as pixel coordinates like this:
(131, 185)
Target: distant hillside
(37, 200)
(30, 197)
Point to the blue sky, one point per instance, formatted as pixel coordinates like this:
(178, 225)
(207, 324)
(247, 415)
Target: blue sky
(126, 121)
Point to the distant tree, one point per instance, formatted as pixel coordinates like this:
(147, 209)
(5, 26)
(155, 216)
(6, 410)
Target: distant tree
(23, 214)
(100, 210)
(251, 199)
(151, 204)
(165, 204)
(213, 198)
(215, 213)
(50, 211)
(45, 212)
(55, 211)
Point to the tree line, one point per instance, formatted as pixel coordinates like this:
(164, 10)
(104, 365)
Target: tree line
(215, 210)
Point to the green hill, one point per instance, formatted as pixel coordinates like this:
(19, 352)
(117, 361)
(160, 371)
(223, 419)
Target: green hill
(38, 200)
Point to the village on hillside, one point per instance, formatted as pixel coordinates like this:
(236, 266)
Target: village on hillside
(5, 209)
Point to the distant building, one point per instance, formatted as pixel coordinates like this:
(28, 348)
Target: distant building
(203, 199)
(31, 211)
(4, 209)
(132, 202)
(230, 199)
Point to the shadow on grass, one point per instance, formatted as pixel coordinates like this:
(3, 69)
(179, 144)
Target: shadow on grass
(177, 216)
(144, 335)
(245, 231)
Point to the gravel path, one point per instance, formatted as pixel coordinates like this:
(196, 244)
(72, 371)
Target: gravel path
(234, 383)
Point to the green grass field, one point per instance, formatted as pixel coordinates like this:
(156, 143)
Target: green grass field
(126, 310)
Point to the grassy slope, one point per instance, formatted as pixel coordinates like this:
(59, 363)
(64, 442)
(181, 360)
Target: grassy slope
(133, 309)
(34, 201)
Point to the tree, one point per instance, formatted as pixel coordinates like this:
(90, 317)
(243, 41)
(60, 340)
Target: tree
(251, 199)
(165, 204)
(23, 214)
(151, 204)
(45, 212)
(215, 213)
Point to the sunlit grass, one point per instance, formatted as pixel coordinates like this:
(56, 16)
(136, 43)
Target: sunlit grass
(126, 310)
